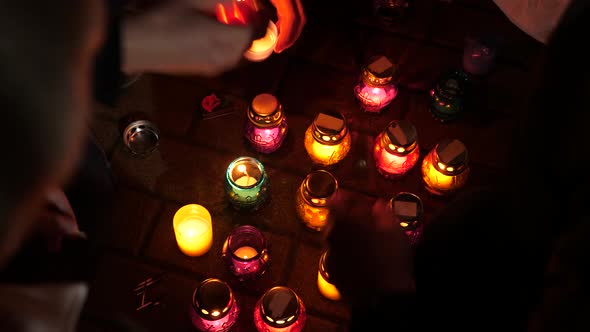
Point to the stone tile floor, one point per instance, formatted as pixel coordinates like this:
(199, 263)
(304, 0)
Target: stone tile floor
(316, 74)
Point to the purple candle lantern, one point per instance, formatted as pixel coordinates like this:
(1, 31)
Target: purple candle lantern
(375, 88)
(266, 127)
(245, 252)
(279, 310)
(214, 308)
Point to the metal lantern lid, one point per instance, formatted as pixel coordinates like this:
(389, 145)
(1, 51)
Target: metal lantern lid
(212, 299)
(379, 71)
(329, 127)
(451, 157)
(401, 137)
(141, 137)
(408, 208)
(323, 265)
(265, 110)
(280, 307)
(318, 186)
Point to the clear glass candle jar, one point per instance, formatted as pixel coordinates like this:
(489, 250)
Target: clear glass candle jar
(312, 198)
(279, 310)
(266, 127)
(326, 288)
(245, 252)
(445, 168)
(327, 140)
(375, 88)
(214, 308)
(246, 183)
(396, 149)
(447, 98)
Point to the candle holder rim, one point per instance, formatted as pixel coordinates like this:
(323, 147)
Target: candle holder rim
(322, 265)
(274, 30)
(336, 136)
(139, 128)
(295, 312)
(309, 191)
(259, 251)
(459, 163)
(227, 306)
(232, 165)
(416, 199)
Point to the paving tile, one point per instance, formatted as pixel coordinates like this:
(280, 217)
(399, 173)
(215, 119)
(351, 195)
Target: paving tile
(303, 280)
(336, 45)
(133, 213)
(487, 135)
(418, 63)
(163, 247)
(107, 133)
(249, 78)
(454, 23)
(417, 24)
(505, 89)
(317, 324)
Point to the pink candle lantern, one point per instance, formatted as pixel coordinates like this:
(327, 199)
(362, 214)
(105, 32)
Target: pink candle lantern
(214, 307)
(279, 310)
(396, 149)
(245, 252)
(266, 127)
(375, 88)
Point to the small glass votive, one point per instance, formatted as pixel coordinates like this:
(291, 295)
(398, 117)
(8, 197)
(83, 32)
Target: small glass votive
(326, 288)
(447, 98)
(193, 229)
(479, 55)
(396, 149)
(327, 140)
(312, 198)
(266, 127)
(375, 88)
(262, 48)
(214, 307)
(445, 168)
(246, 183)
(279, 310)
(245, 252)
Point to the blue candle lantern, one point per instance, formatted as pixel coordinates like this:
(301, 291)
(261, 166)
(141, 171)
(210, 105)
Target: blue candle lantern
(246, 183)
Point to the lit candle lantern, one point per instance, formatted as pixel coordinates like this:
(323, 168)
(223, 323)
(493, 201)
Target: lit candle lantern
(245, 252)
(447, 98)
(479, 55)
(312, 198)
(214, 307)
(445, 168)
(327, 139)
(246, 183)
(279, 310)
(327, 289)
(408, 208)
(375, 88)
(193, 229)
(266, 127)
(396, 149)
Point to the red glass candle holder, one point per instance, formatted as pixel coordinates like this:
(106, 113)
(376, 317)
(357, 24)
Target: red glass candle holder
(245, 252)
(279, 310)
(445, 168)
(266, 127)
(375, 88)
(396, 149)
(214, 308)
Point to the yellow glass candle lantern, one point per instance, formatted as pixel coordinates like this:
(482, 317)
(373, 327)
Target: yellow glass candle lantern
(193, 229)
(326, 288)
(445, 168)
(327, 140)
(312, 198)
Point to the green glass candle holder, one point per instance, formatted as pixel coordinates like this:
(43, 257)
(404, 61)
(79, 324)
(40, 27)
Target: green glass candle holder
(447, 98)
(246, 183)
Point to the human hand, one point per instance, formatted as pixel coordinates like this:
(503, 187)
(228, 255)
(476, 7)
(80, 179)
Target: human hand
(368, 250)
(182, 37)
(291, 20)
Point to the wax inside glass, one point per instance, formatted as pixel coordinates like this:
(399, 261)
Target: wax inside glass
(375, 98)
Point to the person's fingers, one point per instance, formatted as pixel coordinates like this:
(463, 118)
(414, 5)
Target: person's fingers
(290, 23)
(207, 5)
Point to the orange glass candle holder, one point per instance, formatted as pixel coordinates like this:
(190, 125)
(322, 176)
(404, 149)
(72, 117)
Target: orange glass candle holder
(326, 288)
(445, 168)
(396, 149)
(193, 229)
(312, 198)
(327, 140)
